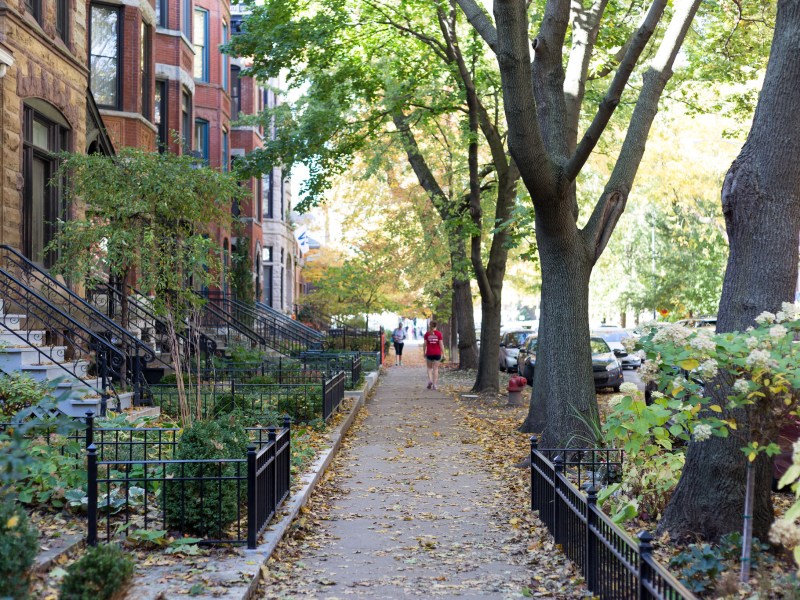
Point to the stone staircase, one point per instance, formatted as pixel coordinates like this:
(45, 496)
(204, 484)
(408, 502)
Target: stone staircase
(25, 351)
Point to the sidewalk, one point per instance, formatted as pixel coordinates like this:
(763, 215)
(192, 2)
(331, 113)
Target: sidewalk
(408, 512)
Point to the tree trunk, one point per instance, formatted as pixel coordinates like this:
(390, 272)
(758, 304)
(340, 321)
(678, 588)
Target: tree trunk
(761, 203)
(563, 370)
(487, 380)
(462, 308)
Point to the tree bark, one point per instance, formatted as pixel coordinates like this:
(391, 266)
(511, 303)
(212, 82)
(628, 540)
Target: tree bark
(761, 203)
(462, 307)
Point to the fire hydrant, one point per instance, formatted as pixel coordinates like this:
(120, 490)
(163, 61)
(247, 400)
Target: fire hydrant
(515, 386)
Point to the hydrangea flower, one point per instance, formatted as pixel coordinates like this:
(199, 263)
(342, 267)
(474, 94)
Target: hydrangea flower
(702, 432)
(703, 343)
(657, 394)
(796, 452)
(742, 386)
(765, 317)
(752, 342)
(629, 388)
(761, 358)
(709, 368)
(784, 533)
(614, 401)
(778, 331)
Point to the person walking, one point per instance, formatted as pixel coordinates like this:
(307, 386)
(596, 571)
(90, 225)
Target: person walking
(433, 349)
(398, 337)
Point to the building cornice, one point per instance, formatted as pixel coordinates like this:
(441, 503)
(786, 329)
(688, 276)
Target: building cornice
(175, 73)
(128, 115)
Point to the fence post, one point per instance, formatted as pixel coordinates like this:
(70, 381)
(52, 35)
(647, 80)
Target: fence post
(645, 550)
(325, 414)
(252, 518)
(590, 568)
(287, 424)
(272, 436)
(89, 428)
(534, 447)
(91, 461)
(558, 463)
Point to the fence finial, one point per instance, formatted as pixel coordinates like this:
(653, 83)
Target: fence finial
(645, 542)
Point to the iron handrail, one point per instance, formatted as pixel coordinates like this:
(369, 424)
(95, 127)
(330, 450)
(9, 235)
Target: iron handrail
(110, 359)
(284, 339)
(229, 321)
(269, 310)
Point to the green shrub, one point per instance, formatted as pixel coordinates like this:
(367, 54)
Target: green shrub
(226, 403)
(172, 379)
(18, 391)
(262, 380)
(19, 543)
(102, 573)
(205, 507)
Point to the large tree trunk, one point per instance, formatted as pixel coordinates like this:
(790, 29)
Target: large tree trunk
(563, 356)
(761, 203)
(488, 366)
(462, 307)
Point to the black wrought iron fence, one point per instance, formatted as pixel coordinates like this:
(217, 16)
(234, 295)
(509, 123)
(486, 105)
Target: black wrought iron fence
(137, 486)
(614, 565)
(332, 362)
(333, 394)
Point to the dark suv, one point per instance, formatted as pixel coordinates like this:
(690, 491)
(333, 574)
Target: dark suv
(606, 368)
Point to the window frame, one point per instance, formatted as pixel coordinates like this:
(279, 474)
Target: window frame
(62, 20)
(225, 151)
(120, 51)
(162, 125)
(204, 53)
(236, 86)
(270, 214)
(162, 13)
(145, 62)
(225, 60)
(34, 8)
(201, 146)
(186, 120)
(186, 19)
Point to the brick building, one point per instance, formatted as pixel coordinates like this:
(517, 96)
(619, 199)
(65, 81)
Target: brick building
(95, 76)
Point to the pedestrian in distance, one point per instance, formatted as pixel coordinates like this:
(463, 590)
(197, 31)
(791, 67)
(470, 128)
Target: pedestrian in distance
(433, 349)
(398, 337)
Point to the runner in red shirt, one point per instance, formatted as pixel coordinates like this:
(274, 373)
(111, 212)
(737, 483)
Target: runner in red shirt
(433, 348)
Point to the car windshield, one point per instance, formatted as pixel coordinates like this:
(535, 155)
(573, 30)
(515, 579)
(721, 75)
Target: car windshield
(517, 338)
(614, 336)
(599, 346)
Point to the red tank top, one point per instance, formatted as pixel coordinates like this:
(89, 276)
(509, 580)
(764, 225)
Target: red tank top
(434, 340)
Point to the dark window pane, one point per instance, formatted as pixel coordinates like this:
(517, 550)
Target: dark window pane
(104, 54)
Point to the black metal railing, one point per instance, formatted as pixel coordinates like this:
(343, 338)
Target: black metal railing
(331, 362)
(279, 333)
(614, 566)
(134, 485)
(217, 321)
(68, 344)
(333, 394)
(60, 307)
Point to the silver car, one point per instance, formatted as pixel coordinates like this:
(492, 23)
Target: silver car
(510, 343)
(614, 336)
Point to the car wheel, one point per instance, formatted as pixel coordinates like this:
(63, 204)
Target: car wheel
(616, 389)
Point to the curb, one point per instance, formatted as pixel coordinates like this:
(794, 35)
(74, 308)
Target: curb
(272, 537)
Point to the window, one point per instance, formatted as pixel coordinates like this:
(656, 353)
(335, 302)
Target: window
(225, 67)
(270, 196)
(186, 19)
(162, 10)
(201, 138)
(42, 198)
(259, 193)
(201, 55)
(144, 67)
(160, 115)
(34, 7)
(225, 151)
(268, 285)
(62, 20)
(236, 93)
(104, 55)
(283, 191)
(186, 121)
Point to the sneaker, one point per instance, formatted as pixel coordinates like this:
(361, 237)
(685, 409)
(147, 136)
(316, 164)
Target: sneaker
(434, 387)
(430, 385)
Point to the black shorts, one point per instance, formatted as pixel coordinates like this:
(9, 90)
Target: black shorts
(433, 358)
(398, 348)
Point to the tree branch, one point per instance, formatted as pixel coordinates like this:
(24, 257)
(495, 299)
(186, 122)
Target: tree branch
(480, 21)
(611, 205)
(615, 89)
(585, 25)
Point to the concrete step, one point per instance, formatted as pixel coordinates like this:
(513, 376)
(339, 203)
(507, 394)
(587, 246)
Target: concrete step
(78, 404)
(33, 337)
(50, 371)
(15, 358)
(12, 321)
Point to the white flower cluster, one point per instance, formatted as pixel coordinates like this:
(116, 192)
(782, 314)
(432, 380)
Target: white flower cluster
(742, 386)
(784, 533)
(788, 312)
(796, 452)
(752, 342)
(672, 332)
(765, 317)
(702, 432)
(761, 358)
(657, 394)
(649, 371)
(615, 400)
(629, 388)
(703, 342)
(778, 332)
(629, 343)
(708, 369)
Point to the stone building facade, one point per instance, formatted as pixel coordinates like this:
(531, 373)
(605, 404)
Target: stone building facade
(86, 76)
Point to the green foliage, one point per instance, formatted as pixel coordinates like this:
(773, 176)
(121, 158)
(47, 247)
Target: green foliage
(205, 507)
(19, 543)
(242, 272)
(172, 379)
(700, 565)
(52, 471)
(262, 380)
(147, 212)
(244, 357)
(102, 573)
(19, 391)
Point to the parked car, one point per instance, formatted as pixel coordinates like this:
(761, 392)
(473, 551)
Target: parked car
(700, 323)
(613, 337)
(510, 343)
(606, 368)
